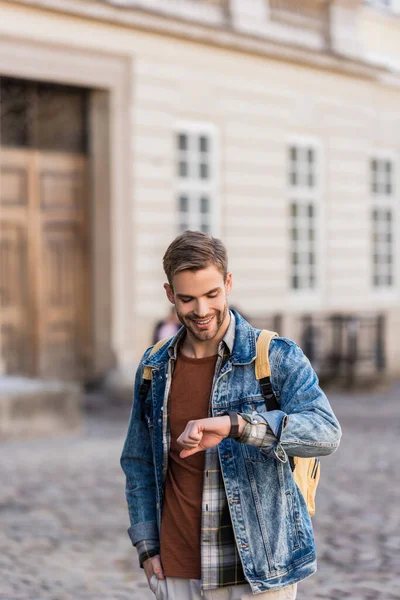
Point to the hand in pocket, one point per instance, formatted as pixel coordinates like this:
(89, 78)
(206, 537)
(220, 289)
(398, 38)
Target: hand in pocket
(154, 572)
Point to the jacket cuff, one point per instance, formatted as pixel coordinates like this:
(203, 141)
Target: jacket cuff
(143, 531)
(146, 549)
(256, 432)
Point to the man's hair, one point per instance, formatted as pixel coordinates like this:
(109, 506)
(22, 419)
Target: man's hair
(194, 250)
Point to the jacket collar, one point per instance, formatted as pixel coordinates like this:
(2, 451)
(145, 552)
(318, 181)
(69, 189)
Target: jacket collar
(240, 340)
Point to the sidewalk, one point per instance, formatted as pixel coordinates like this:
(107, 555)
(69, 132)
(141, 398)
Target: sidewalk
(63, 514)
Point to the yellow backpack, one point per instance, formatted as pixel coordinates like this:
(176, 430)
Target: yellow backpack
(306, 471)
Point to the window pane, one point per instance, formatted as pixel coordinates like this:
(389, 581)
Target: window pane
(182, 141)
(293, 178)
(203, 145)
(293, 210)
(204, 205)
(295, 258)
(183, 168)
(293, 154)
(310, 211)
(295, 282)
(204, 174)
(183, 204)
(16, 115)
(205, 228)
(311, 180)
(310, 155)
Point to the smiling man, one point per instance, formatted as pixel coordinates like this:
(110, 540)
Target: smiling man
(214, 509)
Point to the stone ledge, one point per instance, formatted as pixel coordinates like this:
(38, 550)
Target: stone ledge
(33, 408)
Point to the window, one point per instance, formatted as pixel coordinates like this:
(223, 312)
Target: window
(382, 172)
(304, 206)
(43, 116)
(307, 14)
(392, 5)
(196, 178)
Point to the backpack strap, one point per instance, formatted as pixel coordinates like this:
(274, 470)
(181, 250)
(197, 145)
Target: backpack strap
(263, 369)
(263, 374)
(147, 372)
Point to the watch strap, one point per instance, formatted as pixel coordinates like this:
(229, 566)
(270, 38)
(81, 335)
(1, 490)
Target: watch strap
(234, 431)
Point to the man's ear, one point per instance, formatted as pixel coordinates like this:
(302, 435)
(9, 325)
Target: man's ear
(228, 283)
(170, 293)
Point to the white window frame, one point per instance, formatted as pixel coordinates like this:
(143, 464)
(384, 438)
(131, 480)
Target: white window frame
(192, 186)
(388, 5)
(385, 202)
(308, 298)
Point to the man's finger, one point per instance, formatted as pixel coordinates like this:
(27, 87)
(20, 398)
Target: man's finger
(186, 453)
(157, 568)
(188, 442)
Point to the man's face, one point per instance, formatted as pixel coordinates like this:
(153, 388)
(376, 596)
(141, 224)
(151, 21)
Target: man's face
(201, 300)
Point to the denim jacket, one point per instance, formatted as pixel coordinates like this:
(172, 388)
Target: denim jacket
(269, 515)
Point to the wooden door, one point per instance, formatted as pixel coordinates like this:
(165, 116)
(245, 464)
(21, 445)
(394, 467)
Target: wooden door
(15, 291)
(44, 274)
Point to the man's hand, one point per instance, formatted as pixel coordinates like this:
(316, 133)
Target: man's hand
(206, 433)
(152, 566)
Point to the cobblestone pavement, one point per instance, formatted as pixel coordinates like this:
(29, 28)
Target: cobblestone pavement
(63, 515)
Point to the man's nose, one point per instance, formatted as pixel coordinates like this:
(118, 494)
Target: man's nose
(202, 308)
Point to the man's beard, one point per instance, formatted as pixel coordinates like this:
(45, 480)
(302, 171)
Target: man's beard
(218, 317)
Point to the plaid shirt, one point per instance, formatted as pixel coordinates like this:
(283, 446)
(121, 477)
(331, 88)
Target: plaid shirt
(220, 561)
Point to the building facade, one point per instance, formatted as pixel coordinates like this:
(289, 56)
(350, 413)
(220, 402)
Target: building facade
(274, 124)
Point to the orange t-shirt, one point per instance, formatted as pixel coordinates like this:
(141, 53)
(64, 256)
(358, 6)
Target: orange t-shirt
(181, 518)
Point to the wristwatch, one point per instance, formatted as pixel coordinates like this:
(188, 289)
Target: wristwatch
(234, 432)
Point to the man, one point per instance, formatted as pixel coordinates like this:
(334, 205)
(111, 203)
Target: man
(214, 510)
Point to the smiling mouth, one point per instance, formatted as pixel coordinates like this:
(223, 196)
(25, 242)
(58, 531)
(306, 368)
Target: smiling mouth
(202, 323)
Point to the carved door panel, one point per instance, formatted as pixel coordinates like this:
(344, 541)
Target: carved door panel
(16, 334)
(44, 263)
(63, 280)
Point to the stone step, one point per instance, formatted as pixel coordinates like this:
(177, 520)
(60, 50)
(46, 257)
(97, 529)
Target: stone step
(34, 408)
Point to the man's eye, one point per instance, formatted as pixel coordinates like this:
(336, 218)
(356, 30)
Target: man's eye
(214, 295)
(185, 301)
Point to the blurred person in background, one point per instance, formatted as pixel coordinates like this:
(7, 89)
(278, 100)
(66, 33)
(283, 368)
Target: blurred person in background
(167, 327)
(214, 509)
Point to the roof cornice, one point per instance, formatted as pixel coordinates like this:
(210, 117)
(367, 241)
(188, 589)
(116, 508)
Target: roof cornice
(154, 22)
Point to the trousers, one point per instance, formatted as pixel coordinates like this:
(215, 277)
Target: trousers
(176, 588)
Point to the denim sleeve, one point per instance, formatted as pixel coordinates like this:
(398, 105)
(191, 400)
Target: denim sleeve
(137, 464)
(305, 425)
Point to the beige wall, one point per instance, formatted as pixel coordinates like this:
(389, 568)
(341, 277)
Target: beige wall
(256, 104)
(380, 35)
